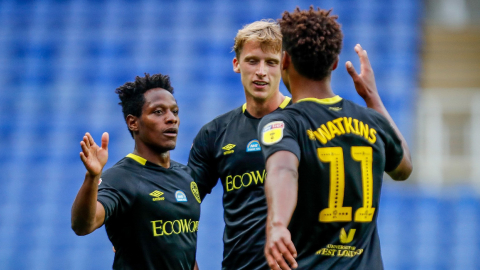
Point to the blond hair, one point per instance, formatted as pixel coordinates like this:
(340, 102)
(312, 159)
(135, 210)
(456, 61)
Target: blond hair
(267, 32)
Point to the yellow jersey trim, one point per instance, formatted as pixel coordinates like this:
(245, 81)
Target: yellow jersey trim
(281, 106)
(138, 159)
(324, 101)
(285, 102)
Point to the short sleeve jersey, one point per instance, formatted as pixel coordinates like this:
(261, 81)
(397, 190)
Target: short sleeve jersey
(228, 148)
(343, 150)
(151, 214)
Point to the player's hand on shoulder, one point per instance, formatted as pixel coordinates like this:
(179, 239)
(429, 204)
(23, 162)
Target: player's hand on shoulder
(279, 249)
(365, 81)
(94, 157)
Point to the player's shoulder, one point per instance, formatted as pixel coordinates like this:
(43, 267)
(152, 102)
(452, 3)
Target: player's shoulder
(177, 166)
(352, 108)
(368, 112)
(287, 114)
(279, 120)
(124, 169)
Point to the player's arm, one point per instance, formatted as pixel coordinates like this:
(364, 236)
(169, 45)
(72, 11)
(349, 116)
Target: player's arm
(281, 188)
(196, 266)
(367, 89)
(87, 213)
(201, 163)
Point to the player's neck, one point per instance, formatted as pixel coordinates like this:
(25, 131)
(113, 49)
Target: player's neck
(302, 87)
(161, 158)
(260, 108)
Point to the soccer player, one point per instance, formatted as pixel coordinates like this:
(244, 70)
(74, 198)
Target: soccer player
(228, 147)
(148, 202)
(325, 156)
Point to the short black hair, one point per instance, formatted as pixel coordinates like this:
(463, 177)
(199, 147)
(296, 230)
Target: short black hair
(131, 94)
(313, 39)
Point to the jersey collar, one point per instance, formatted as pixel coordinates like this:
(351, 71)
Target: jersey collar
(281, 106)
(138, 159)
(324, 101)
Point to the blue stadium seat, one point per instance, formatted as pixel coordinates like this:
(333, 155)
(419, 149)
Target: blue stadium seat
(62, 60)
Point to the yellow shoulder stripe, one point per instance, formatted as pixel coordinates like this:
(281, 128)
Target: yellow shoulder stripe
(282, 105)
(138, 159)
(324, 101)
(285, 102)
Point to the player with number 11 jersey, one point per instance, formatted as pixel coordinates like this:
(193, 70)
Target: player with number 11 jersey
(343, 150)
(325, 156)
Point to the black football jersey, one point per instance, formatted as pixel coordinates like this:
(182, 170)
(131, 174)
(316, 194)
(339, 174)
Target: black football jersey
(343, 150)
(151, 214)
(228, 148)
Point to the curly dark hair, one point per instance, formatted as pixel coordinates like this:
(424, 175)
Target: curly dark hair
(313, 39)
(131, 94)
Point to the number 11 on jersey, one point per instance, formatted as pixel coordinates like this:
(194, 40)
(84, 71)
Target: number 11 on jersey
(336, 212)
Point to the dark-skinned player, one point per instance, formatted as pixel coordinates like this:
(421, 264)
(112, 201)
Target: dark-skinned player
(149, 203)
(325, 156)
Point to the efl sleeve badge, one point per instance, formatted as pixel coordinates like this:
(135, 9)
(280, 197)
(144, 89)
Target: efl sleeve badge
(196, 194)
(272, 132)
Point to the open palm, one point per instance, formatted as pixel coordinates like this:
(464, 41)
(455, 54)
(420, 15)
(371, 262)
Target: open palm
(93, 156)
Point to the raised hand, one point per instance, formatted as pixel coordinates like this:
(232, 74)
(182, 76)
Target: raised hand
(365, 81)
(279, 249)
(94, 157)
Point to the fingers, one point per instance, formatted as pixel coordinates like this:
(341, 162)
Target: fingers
(86, 140)
(90, 139)
(282, 255)
(85, 148)
(271, 262)
(279, 260)
(358, 48)
(288, 255)
(292, 249)
(85, 144)
(105, 139)
(83, 157)
(277, 255)
(351, 70)
(362, 54)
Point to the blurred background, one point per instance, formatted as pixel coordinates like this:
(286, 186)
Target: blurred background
(60, 62)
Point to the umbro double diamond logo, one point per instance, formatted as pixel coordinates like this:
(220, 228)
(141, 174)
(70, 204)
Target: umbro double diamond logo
(228, 149)
(157, 196)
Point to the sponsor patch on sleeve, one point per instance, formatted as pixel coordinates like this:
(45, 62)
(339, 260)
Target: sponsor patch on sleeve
(196, 194)
(272, 132)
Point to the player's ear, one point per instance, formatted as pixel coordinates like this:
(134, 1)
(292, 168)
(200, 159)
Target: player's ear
(286, 60)
(132, 122)
(236, 66)
(335, 64)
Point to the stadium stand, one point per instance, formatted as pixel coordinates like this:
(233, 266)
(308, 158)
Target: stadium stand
(61, 61)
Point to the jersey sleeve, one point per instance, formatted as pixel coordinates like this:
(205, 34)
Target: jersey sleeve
(393, 145)
(115, 194)
(201, 161)
(277, 132)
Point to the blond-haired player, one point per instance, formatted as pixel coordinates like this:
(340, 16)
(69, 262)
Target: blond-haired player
(227, 148)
